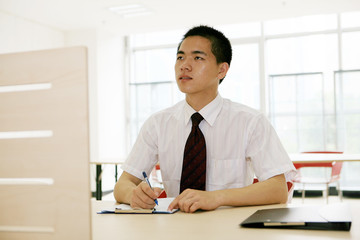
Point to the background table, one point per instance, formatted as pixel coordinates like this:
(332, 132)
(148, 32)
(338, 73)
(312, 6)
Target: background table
(323, 157)
(115, 162)
(296, 158)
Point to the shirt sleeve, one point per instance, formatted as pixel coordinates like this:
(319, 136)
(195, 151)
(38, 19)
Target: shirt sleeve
(266, 153)
(144, 154)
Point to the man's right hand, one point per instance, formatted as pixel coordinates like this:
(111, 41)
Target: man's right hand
(132, 190)
(143, 196)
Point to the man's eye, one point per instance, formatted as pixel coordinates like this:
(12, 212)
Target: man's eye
(198, 58)
(179, 58)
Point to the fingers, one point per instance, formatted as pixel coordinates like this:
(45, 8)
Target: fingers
(173, 205)
(189, 205)
(191, 200)
(143, 196)
(188, 201)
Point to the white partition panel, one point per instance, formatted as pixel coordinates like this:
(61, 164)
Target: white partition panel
(44, 145)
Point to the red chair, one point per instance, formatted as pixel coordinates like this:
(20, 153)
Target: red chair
(325, 180)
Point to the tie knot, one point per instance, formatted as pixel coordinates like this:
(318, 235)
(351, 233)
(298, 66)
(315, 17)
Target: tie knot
(196, 118)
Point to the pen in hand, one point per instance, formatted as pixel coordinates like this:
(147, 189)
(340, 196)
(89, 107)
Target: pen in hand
(147, 180)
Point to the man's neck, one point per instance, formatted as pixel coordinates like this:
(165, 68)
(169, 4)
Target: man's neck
(197, 102)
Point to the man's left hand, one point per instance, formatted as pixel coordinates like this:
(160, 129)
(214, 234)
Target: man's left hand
(191, 200)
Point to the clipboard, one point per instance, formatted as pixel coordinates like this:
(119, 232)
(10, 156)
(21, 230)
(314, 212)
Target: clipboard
(162, 208)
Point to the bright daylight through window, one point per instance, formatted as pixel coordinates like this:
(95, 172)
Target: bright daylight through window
(303, 73)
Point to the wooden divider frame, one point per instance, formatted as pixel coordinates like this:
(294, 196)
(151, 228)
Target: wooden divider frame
(44, 145)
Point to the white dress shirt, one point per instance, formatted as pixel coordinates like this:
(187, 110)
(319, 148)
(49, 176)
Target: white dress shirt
(240, 143)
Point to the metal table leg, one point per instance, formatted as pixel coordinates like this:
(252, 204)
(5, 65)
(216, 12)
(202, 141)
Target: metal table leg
(98, 182)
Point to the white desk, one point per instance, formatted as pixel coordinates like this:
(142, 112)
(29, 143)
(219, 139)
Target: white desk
(219, 224)
(323, 157)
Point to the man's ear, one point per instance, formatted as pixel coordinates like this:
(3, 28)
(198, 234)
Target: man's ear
(223, 69)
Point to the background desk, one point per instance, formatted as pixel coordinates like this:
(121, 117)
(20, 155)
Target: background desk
(320, 157)
(326, 160)
(115, 162)
(219, 224)
(296, 158)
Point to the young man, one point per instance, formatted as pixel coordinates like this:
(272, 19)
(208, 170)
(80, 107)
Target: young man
(239, 141)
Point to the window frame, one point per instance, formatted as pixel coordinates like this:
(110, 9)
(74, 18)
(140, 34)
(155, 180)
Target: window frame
(264, 82)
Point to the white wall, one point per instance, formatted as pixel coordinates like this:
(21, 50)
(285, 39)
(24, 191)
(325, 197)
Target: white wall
(111, 102)
(111, 86)
(106, 90)
(106, 79)
(88, 38)
(18, 35)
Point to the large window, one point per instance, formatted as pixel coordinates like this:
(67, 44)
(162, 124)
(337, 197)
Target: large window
(301, 72)
(348, 108)
(152, 85)
(242, 83)
(301, 91)
(298, 113)
(348, 122)
(290, 69)
(351, 50)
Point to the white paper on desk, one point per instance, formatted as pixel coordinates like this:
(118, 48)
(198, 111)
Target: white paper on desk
(125, 208)
(164, 205)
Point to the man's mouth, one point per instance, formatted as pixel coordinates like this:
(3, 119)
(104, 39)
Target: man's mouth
(185, 78)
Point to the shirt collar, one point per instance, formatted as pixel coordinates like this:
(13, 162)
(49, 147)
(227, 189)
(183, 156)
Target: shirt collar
(209, 112)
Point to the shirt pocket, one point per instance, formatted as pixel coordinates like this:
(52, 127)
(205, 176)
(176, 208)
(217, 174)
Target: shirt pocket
(226, 173)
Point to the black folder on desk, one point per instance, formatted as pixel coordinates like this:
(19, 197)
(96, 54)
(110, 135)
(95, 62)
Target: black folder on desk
(324, 217)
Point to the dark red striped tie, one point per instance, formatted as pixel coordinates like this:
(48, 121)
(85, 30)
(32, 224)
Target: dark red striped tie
(194, 165)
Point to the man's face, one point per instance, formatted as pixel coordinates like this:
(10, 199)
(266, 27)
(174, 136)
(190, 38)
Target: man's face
(196, 69)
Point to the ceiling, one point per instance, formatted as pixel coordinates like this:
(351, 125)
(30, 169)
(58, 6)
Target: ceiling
(68, 15)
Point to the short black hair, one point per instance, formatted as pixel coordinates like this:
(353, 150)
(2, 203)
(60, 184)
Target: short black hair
(220, 45)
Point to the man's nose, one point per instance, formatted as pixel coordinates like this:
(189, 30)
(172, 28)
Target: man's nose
(186, 65)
